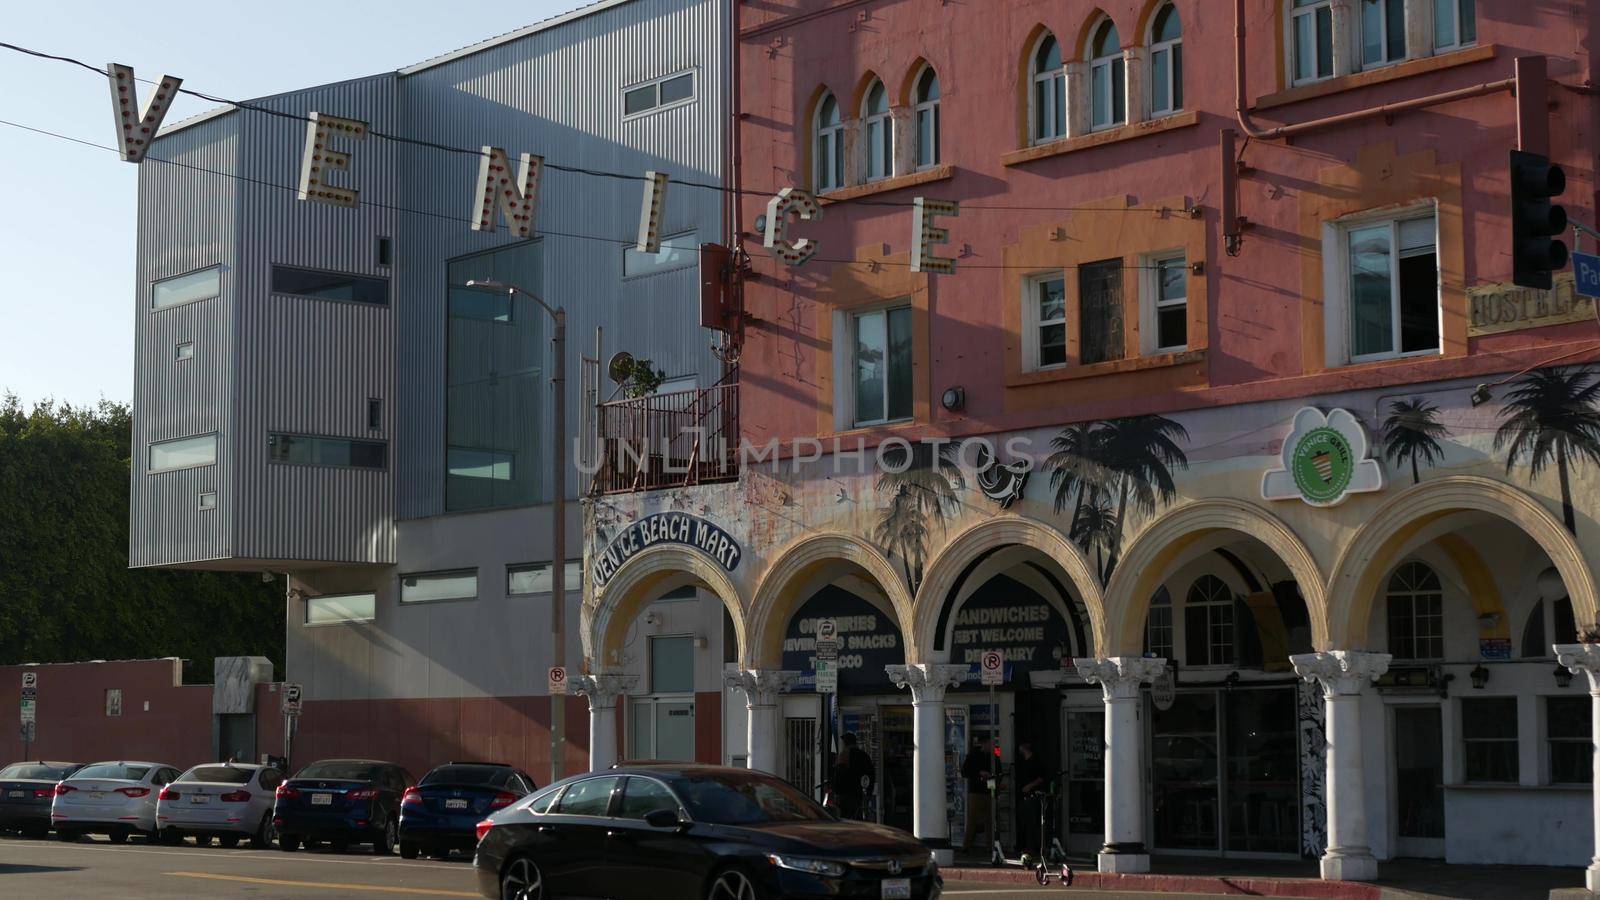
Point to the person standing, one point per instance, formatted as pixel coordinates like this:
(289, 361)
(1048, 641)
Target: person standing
(853, 777)
(976, 769)
(1031, 784)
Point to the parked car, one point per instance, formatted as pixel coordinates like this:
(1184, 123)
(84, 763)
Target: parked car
(228, 801)
(26, 789)
(678, 830)
(115, 799)
(442, 811)
(343, 802)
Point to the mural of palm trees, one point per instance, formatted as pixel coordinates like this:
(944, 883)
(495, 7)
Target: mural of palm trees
(1077, 468)
(920, 498)
(1098, 523)
(1551, 417)
(1412, 431)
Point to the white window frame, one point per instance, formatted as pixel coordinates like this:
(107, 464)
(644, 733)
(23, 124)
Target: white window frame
(1032, 324)
(1336, 281)
(439, 576)
(1360, 49)
(1152, 627)
(845, 364)
(884, 122)
(1174, 79)
(1058, 86)
(1390, 594)
(658, 106)
(1151, 304)
(657, 697)
(572, 576)
(1109, 65)
(1211, 604)
(203, 284)
(366, 596)
(1290, 24)
(1456, 43)
(827, 148)
(931, 109)
(150, 468)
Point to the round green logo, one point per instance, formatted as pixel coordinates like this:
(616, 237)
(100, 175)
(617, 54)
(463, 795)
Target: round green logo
(1322, 464)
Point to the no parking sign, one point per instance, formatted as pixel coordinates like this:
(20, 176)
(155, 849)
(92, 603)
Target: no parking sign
(993, 665)
(558, 679)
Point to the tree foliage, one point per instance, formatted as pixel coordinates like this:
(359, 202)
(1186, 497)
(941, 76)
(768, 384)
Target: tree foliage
(66, 592)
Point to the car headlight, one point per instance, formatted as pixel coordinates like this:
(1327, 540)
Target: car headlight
(808, 865)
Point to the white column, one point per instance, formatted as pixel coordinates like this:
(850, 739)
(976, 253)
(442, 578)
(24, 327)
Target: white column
(1585, 658)
(603, 691)
(1119, 678)
(1346, 38)
(1344, 674)
(1135, 79)
(1078, 113)
(928, 682)
(761, 688)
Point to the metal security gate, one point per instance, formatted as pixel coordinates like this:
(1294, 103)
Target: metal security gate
(800, 763)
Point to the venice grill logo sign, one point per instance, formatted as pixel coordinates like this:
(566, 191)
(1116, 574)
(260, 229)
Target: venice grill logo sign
(1324, 460)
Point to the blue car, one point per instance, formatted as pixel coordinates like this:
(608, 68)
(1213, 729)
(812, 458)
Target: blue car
(442, 812)
(341, 802)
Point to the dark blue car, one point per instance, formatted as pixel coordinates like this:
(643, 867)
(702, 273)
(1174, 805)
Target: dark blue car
(26, 791)
(442, 811)
(342, 802)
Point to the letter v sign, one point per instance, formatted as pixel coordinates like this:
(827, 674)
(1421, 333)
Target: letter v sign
(135, 134)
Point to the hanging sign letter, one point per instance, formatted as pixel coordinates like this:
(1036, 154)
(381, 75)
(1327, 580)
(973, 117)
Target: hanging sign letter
(518, 200)
(135, 134)
(924, 235)
(655, 201)
(790, 200)
(318, 160)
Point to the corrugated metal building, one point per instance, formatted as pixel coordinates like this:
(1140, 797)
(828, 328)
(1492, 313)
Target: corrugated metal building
(313, 397)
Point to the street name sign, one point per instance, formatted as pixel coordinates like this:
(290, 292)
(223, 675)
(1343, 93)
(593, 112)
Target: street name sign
(1586, 274)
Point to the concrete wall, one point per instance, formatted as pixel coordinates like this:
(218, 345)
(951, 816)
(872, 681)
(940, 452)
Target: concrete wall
(163, 720)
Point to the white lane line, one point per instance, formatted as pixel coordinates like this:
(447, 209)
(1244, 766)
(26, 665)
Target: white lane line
(233, 854)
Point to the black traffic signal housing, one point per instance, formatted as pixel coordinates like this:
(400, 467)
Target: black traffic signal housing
(1535, 220)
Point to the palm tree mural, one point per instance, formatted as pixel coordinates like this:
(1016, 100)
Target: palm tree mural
(1551, 417)
(1412, 431)
(920, 498)
(1130, 459)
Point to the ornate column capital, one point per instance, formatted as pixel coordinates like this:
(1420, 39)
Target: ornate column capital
(1584, 658)
(1120, 676)
(927, 681)
(603, 689)
(1342, 672)
(760, 687)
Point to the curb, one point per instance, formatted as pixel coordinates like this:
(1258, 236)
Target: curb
(1187, 884)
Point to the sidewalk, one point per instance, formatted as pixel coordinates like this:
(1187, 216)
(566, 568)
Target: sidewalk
(1400, 879)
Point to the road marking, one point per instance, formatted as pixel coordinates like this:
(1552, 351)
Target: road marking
(324, 885)
(235, 855)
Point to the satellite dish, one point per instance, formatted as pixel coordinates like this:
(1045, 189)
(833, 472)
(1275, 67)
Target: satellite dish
(620, 367)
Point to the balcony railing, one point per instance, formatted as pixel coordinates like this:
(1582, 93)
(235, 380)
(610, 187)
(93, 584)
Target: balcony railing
(668, 440)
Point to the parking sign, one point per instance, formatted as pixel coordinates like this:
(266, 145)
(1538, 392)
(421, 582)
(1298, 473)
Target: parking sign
(291, 699)
(558, 679)
(30, 680)
(993, 668)
(827, 639)
(827, 676)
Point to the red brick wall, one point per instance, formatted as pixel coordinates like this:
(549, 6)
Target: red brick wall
(72, 720)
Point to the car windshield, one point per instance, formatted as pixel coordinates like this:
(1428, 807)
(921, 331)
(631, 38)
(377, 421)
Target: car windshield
(488, 776)
(218, 775)
(113, 771)
(340, 770)
(728, 798)
(36, 771)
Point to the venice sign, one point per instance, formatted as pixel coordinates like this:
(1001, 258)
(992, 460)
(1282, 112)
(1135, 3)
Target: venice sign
(665, 528)
(1324, 460)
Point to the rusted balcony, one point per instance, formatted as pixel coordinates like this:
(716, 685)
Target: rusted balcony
(668, 440)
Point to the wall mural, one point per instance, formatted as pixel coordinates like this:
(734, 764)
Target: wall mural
(916, 501)
(1313, 744)
(1551, 416)
(1412, 432)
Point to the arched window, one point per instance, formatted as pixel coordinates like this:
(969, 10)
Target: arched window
(1166, 62)
(1158, 625)
(927, 115)
(1311, 40)
(1416, 618)
(828, 154)
(1049, 102)
(1208, 623)
(1107, 83)
(879, 132)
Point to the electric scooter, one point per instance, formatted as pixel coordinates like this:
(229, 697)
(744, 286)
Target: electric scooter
(1055, 856)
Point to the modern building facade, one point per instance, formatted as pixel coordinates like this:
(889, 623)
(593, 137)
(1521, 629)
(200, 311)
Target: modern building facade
(1215, 417)
(319, 394)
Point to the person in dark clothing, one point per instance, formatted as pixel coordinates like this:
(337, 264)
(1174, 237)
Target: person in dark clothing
(1032, 782)
(853, 778)
(975, 770)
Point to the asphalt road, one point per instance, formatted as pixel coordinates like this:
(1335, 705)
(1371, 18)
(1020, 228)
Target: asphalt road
(137, 871)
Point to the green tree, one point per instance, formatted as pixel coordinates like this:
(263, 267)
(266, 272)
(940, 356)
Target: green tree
(1412, 431)
(1551, 417)
(66, 592)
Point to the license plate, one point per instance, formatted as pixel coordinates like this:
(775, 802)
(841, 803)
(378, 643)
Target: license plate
(896, 889)
(455, 804)
(97, 795)
(321, 799)
(17, 794)
(199, 798)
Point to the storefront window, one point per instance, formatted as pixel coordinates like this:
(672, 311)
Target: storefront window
(1158, 626)
(1416, 619)
(1571, 742)
(1489, 736)
(1208, 623)
(1184, 764)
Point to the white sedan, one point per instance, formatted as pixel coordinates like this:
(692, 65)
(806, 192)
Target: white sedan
(115, 799)
(228, 801)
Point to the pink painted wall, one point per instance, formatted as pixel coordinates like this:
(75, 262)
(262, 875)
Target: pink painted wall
(1256, 330)
(73, 725)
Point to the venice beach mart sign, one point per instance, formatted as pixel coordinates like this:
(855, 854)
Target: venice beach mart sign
(666, 528)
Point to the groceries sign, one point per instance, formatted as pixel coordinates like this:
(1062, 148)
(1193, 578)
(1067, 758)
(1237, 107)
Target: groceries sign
(665, 528)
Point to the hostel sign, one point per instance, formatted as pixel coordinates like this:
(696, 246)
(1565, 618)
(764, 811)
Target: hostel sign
(666, 528)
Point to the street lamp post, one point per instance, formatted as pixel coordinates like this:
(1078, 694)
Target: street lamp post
(558, 512)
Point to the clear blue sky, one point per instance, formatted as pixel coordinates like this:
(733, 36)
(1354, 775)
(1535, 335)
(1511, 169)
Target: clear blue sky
(67, 211)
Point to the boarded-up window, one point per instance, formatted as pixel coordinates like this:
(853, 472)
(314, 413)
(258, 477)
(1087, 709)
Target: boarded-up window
(1100, 311)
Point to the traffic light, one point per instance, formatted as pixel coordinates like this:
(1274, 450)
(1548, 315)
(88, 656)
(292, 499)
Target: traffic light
(1535, 221)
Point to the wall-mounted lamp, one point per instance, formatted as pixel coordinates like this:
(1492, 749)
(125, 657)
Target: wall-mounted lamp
(1488, 620)
(1481, 395)
(652, 618)
(953, 399)
(1479, 676)
(1563, 676)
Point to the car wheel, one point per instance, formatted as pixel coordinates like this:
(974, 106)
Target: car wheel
(338, 846)
(64, 834)
(521, 880)
(262, 839)
(117, 837)
(228, 841)
(384, 846)
(288, 844)
(202, 840)
(313, 845)
(169, 836)
(732, 884)
(36, 832)
(408, 850)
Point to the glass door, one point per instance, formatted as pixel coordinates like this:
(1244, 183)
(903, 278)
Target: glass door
(1086, 772)
(1263, 771)
(1419, 781)
(1185, 772)
(896, 785)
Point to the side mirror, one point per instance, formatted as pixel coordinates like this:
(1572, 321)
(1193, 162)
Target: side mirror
(663, 818)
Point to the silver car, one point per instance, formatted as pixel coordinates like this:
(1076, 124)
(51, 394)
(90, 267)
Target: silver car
(115, 799)
(228, 801)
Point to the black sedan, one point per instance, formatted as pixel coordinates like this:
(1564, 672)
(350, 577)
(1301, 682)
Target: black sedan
(26, 790)
(654, 831)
